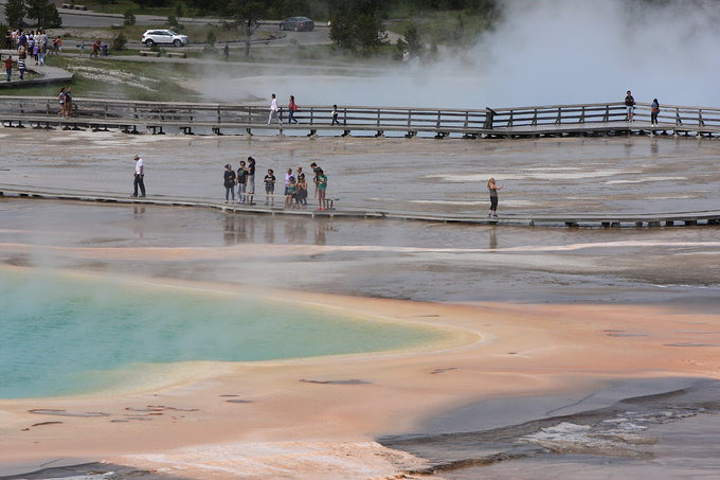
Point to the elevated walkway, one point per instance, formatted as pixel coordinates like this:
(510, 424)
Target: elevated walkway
(571, 220)
(220, 119)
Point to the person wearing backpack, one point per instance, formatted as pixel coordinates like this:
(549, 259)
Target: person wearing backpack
(292, 108)
(654, 111)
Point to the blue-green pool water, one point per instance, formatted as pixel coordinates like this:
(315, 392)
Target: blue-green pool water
(62, 335)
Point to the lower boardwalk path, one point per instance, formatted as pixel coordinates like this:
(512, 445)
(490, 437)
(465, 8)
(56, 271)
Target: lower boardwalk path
(570, 220)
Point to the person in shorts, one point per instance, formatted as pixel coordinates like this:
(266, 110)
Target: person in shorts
(630, 105)
(269, 187)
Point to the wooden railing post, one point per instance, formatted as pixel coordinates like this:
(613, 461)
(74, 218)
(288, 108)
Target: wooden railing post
(678, 120)
(558, 120)
(606, 117)
(535, 118)
(582, 114)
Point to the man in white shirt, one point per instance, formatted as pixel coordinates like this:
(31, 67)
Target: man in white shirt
(139, 177)
(274, 111)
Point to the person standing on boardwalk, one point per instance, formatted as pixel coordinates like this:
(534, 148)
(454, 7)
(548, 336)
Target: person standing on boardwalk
(139, 177)
(493, 188)
(316, 171)
(269, 187)
(241, 182)
(630, 105)
(322, 187)
(273, 111)
(229, 183)
(8, 67)
(292, 108)
(654, 111)
(301, 194)
(250, 180)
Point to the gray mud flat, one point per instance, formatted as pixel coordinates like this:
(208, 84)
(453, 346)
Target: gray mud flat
(631, 426)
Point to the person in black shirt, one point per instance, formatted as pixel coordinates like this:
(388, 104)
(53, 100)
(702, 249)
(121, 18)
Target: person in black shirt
(229, 183)
(630, 104)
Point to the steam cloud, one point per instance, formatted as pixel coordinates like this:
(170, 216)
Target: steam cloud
(543, 52)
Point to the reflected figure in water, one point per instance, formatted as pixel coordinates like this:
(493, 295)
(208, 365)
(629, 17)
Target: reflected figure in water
(139, 221)
(492, 238)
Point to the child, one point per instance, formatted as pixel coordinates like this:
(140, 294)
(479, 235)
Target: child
(270, 187)
(290, 194)
(322, 186)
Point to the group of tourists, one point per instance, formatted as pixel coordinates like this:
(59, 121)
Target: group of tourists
(34, 45)
(243, 180)
(296, 186)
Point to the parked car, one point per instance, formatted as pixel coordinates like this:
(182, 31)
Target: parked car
(299, 24)
(160, 37)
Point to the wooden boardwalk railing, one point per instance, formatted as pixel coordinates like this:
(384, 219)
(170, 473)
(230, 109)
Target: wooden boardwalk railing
(553, 120)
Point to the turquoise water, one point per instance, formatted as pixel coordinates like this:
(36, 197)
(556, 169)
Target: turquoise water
(63, 336)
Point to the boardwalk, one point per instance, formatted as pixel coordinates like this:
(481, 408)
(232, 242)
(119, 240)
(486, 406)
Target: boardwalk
(222, 119)
(590, 220)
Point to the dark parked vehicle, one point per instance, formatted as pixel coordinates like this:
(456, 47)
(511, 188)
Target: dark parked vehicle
(298, 24)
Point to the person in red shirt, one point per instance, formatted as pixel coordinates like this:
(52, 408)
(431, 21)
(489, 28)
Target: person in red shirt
(8, 67)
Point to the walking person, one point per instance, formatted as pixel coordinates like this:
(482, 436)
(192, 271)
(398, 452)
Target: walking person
(292, 108)
(61, 100)
(250, 180)
(229, 183)
(269, 187)
(630, 105)
(273, 111)
(68, 101)
(241, 182)
(8, 67)
(139, 177)
(21, 67)
(334, 114)
(493, 188)
(654, 111)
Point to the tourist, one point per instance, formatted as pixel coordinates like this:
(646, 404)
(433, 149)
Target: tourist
(9, 66)
(493, 188)
(241, 182)
(21, 67)
(290, 193)
(269, 187)
(301, 195)
(274, 111)
(322, 187)
(68, 101)
(334, 114)
(61, 99)
(292, 108)
(95, 49)
(226, 51)
(139, 177)
(654, 111)
(316, 171)
(288, 176)
(630, 105)
(229, 183)
(250, 180)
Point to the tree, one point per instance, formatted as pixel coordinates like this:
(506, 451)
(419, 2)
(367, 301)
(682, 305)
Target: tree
(44, 13)
(15, 12)
(357, 25)
(247, 15)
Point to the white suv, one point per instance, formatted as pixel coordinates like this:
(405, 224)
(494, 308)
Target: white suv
(152, 37)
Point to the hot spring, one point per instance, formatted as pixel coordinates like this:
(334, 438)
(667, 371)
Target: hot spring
(66, 335)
